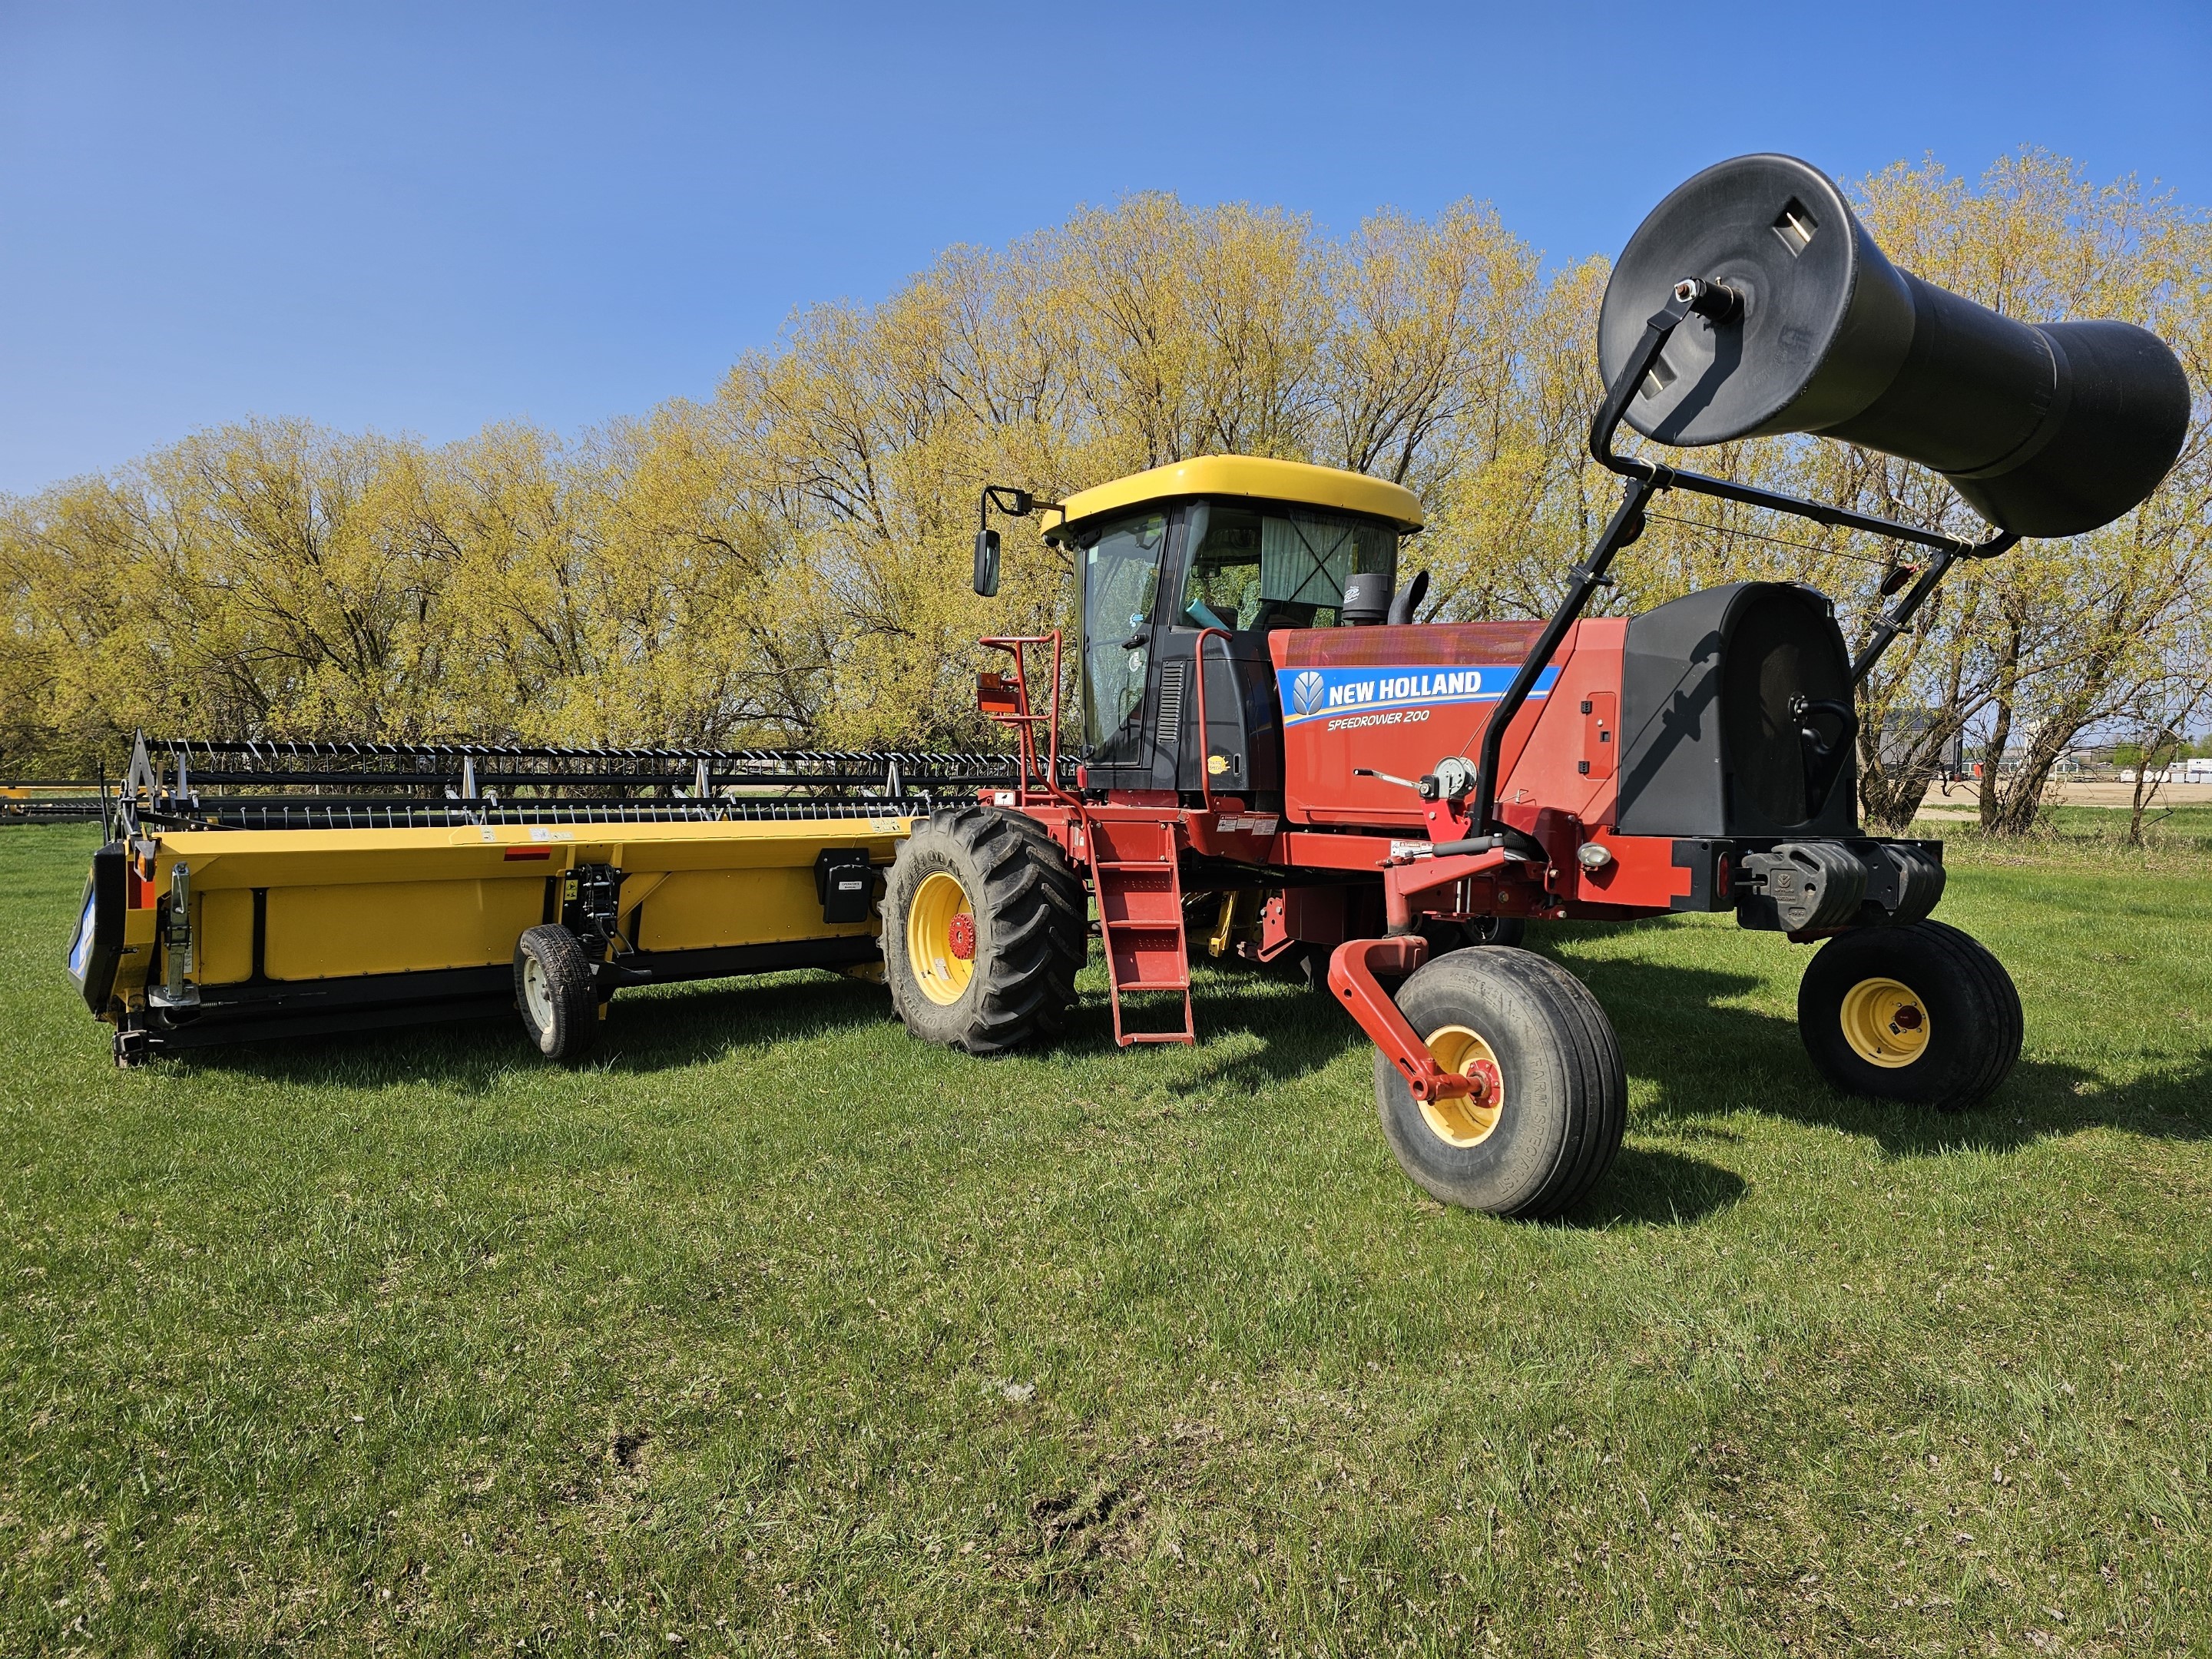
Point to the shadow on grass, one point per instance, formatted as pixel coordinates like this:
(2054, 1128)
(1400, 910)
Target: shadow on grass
(1651, 1188)
(1705, 1059)
(1708, 1059)
(665, 1029)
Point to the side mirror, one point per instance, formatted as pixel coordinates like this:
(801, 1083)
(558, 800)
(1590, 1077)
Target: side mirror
(987, 563)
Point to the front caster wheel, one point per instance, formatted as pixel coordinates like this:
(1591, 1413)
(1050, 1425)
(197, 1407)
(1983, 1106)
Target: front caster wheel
(1552, 1100)
(1921, 1014)
(553, 990)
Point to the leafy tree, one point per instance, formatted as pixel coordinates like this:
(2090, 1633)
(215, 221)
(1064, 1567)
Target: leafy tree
(787, 560)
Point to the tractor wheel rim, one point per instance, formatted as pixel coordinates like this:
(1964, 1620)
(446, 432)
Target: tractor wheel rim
(537, 993)
(940, 968)
(1886, 1023)
(1466, 1120)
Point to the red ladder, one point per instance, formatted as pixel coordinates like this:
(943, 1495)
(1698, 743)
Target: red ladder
(1139, 891)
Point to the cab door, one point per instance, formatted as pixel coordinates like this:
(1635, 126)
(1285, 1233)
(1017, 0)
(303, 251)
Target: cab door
(1121, 571)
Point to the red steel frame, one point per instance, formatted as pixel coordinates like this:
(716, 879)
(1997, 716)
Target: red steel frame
(1558, 792)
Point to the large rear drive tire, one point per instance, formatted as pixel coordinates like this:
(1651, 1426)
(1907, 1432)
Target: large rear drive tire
(1921, 1014)
(1557, 1094)
(553, 990)
(984, 929)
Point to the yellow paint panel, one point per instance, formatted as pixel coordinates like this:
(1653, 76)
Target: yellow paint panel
(222, 937)
(324, 857)
(400, 926)
(693, 909)
(1294, 481)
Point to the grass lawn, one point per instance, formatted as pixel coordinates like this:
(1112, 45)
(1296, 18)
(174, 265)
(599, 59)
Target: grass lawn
(775, 1331)
(2182, 828)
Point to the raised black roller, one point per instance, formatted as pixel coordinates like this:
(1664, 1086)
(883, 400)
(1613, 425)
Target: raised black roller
(2046, 429)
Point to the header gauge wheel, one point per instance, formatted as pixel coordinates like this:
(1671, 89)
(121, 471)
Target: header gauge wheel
(984, 928)
(1921, 1014)
(553, 991)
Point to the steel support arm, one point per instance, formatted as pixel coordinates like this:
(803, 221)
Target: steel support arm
(1622, 529)
(1351, 975)
(1645, 479)
(1402, 880)
(1894, 620)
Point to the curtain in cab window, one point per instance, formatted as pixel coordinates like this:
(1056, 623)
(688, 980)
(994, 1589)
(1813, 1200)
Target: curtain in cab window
(1306, 559)
(1254, 569)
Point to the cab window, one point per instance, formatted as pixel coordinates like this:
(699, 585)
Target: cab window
(1277, 567)
(1120, 574)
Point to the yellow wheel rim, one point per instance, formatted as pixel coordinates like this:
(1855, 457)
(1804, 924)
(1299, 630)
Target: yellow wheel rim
(1466, 1120)
(1886, 1023)
(940, 968)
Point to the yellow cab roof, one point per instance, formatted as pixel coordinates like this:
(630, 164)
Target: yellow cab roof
(1295, 482)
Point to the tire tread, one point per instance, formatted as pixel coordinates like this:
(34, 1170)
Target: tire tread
(1588, 1053)
(1958, 958)
(568, 977)
(1035, 903)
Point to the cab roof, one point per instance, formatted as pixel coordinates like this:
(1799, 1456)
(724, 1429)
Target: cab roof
(1296, 483)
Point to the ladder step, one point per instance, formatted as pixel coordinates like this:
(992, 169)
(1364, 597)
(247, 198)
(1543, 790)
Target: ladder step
(1138, 887)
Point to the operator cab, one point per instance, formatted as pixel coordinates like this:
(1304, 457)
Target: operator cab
(1232, 543)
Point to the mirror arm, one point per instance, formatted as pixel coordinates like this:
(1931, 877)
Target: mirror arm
(1015, 504)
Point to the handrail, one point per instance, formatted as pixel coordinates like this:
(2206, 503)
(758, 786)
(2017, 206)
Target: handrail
(1027, 718)
(1205, 748)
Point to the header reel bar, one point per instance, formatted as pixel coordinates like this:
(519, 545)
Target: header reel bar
(242, 784)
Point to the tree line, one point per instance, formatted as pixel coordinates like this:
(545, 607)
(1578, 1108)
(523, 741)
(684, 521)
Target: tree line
(787, 563)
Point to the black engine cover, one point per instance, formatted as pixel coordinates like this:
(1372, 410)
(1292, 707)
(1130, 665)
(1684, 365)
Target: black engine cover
(1736, 717)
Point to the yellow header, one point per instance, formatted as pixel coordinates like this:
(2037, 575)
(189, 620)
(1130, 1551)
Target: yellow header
(1295, 482)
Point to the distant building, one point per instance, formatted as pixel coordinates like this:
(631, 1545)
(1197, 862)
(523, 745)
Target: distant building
(1902, 731)
(2197, 769)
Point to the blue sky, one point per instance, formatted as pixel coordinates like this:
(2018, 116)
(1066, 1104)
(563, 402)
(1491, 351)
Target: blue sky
(424, 218)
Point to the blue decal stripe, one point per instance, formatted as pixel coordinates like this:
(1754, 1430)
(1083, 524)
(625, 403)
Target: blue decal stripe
(1313, 694)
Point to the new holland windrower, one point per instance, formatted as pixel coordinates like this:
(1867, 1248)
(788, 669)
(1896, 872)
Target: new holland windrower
(1276, 758)
(253, 891)
(1276, 747)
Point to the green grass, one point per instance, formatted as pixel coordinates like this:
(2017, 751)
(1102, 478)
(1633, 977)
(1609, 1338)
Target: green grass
(2095, 829)
(775, 1331)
